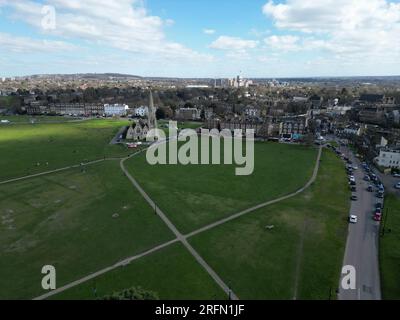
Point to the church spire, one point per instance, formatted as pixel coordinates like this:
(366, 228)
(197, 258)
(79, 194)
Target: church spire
(151, 118)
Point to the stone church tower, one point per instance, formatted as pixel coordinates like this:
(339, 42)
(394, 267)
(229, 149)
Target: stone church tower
(151, 117)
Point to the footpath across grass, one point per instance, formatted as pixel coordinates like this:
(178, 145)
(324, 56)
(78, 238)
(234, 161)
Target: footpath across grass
(293, 249)
(77, 221)
(32, 148)
(390, 250)
(172, 273)
(195, 195)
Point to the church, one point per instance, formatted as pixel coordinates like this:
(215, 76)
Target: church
(139, 129)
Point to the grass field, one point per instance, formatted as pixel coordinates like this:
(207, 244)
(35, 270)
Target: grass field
(390, 250)
(82, 220)
(66, 220)
(172, 273)
(20, 119)
(307, 242)
(52, 146)
(195, 195)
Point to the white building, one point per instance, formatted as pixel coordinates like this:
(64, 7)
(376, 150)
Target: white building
(141, 111)
(352, 130)
(240, 82)
(339, 110)
(115, 109)
(251, 111)
(389, 158)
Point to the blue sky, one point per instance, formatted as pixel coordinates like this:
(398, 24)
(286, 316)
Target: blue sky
(191, 38)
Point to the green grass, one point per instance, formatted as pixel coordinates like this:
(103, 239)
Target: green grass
(390, 250)
(52, 146)
(66, 220)
(181, 125)
(261, 264)
(172, 273)
(20, 119)
(195, 195)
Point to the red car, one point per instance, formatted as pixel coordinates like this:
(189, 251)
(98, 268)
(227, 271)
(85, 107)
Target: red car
(378, 217)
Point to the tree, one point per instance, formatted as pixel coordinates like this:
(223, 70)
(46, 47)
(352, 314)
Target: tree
(189, 105)
(134, 293)
(160, 114)
(203, 114)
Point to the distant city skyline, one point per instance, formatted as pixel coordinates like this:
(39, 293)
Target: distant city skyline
(201, 39)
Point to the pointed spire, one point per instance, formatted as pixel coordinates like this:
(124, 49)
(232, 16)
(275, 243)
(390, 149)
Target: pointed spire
(151, 118)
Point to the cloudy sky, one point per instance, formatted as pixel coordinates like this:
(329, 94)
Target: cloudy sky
(207, 38)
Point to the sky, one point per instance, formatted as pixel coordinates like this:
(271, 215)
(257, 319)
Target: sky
(201, 38)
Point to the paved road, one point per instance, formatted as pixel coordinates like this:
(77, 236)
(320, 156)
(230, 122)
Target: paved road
(116, 138)
(362, 247)
(183, 238)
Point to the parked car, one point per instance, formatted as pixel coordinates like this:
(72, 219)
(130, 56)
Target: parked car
(397, 186)
(354, 198)
(380, 195)
(396, 175)
(379, 205)
(353, 189)
(370, 188)
(378, 217)
(353, 219)
(367, 178)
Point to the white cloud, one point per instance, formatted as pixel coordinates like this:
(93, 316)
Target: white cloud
(122, 24)
(233, 44)
(28, 45)
(284, 43)
(209, 31)
(348, 29)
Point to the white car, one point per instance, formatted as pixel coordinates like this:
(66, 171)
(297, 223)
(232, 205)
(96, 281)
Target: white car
(353, 219)
(397, 186)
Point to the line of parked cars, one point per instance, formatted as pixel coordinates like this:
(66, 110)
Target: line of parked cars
(380, 191)
(375, 185)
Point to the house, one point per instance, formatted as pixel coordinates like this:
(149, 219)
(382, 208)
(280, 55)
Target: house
(252, 112)
(188, 114)
(291, 127)
(141, 111)
(115, 109)
(316, 101)
(389, 158)
(352, 130)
